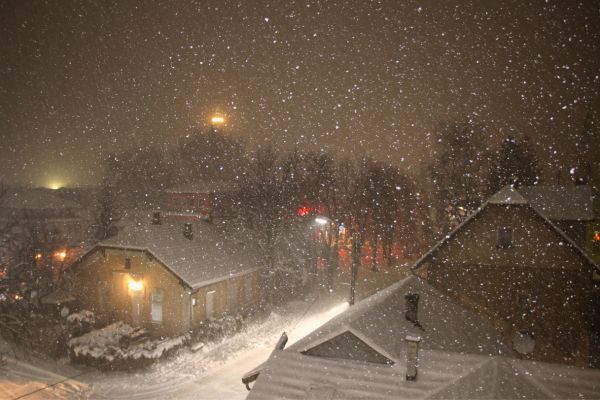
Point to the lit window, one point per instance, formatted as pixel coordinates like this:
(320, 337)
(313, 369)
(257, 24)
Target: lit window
(505, 237)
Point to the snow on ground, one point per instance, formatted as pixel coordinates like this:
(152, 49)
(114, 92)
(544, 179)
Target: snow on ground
(214, 372)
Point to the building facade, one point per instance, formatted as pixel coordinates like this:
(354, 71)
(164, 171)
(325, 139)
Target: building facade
(511, 264)
(168, 277)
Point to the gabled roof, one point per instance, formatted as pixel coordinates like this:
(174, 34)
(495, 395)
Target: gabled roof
(441, 375)
(561, 203)
(460, 356)
(211, 255)
(508, 196)
(380, 321)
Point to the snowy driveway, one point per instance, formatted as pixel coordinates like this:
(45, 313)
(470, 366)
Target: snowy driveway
(214, 372)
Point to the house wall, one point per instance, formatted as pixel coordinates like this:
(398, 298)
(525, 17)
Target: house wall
(101, 285)
(102, 281)
(540, 265)
(239, 294)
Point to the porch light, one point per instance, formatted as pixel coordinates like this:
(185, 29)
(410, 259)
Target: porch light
(135, 286)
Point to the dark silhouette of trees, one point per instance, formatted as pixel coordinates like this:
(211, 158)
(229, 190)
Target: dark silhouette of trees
(514, 163)
(139, 178)
(458, 175)
(209, 156)
(107, 214)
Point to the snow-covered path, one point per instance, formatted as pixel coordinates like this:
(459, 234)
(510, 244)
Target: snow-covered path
(214, 372)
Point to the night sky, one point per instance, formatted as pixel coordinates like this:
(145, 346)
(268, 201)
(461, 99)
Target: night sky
(80, 79)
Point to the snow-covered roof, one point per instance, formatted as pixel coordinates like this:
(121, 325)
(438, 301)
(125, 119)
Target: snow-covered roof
(441, 375)
(213, 186)
(460, 356)
(508, 195)
(35, 199)
(561, 203)
(380, 321)
(211, 255)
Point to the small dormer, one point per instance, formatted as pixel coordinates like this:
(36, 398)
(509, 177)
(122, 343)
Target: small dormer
(349, 346)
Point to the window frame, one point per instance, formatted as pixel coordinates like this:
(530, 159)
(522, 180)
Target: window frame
(502, 234)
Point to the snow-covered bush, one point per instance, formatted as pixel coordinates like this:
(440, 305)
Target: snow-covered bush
(119, 346)
(81, 322)
(217, 328)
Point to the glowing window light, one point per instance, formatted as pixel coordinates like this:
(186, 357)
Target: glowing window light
(38, 256)
(596, 237)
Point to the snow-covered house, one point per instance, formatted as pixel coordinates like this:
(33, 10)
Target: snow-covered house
(513, 265)
(168, 277)
(410, 341)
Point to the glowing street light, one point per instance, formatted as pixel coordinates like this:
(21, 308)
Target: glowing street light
(321, 220)
(217, 120)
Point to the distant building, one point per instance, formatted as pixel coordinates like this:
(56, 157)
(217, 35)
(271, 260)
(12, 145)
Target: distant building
(512, 264)
(55, 226)
(43, 209)
(200, 201)
(168, 276)
(410, 341)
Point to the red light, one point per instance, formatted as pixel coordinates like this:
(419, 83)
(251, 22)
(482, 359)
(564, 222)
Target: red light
(303, 211)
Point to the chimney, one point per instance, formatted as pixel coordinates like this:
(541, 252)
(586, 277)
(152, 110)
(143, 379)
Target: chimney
(188, 233)
(412, 357)
(156, 218)
(281, 342)
(411, 301)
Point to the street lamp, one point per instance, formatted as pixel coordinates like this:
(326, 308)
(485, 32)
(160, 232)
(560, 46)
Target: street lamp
(321, 220)
(217, 120)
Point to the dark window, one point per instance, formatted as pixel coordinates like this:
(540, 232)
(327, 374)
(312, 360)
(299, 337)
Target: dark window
(524, 302)
(505, 237)
(128, 263)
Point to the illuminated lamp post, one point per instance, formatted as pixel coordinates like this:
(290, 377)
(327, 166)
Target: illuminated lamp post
(354, 271)
(217, 120)
(324, 225)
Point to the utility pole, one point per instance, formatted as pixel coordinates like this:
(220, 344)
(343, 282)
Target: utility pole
(354, 272)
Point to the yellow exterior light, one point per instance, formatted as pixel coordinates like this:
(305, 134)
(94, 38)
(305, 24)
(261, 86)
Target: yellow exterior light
(60, 255)
(135, 286)
(217, 120)
(38, 256)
